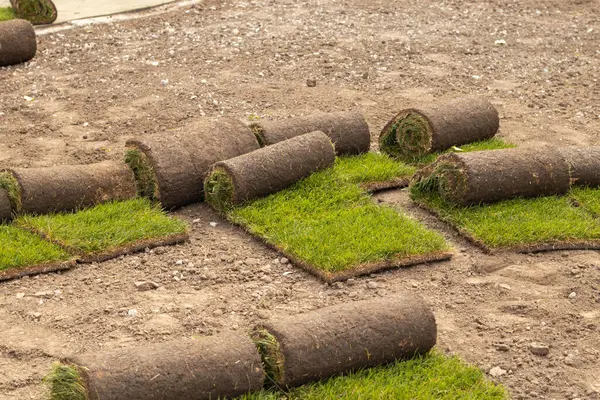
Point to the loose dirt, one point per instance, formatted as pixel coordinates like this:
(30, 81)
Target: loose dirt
(94, 87)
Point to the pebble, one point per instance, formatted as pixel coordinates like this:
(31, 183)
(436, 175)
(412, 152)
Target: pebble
(372, 285)
(143, 286)
(36, 315)
(213, 224)
(20, 295)
(337, 285)
(572, 295)
(164, 82)
(502, 347)
(539, 349)
(504, 286)
(218, 312)
(311, 82)
(497, 371)
(284, 260)
(197, 220)
(132, 313)
(179, 262)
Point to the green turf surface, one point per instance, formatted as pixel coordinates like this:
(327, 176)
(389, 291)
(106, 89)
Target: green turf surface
(6, 13)
(522, 222)
(327, 221)
(19, 248)
(429, 377)
(105, 227)
(587, 198)
(65, 383)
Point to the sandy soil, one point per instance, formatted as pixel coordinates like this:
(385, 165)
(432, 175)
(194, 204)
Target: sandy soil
(96, 86)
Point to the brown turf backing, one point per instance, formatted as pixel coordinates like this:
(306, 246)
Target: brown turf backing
(584, 165)
(276, 167)
(14, 273)
(351, 336)
(5, 207)
(17, 42)
(348, 130)
(226, 365)
(71, 187)
(495, 175)
(181, 158)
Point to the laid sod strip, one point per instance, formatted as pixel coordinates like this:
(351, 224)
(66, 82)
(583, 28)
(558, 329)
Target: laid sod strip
(331, 228)
(6, 13)
(226, 365)
(373, 171)
(431, 376)
(520, 225)
(416, 132)
(489, 176)
(17, 42)
(584, 165)
(267, 170)
(38, 12)
(587, 198)
(171, 167)
(108, 230)
(346, 337)
(71, 187)
(5, 206)
(65, 383)
(23, 253)
(348, 130)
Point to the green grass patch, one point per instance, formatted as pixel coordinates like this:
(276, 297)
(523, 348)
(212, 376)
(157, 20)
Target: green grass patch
(105, 227)
(218, 188)
(145, 177)
(19, 248)
(520, 222)
(330, 223)
(9, 183)
(65, 383)
(369, 168)
(7, 13)
(428, 377)
(587, 198)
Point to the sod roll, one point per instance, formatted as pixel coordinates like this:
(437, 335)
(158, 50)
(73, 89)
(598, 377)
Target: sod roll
(494, 175)
(227, 365)
(416, 132)
(343, 338)
(267, 170)
(17, 42)
(171, 167)
(38, 12)
(348, 130)
(71, 187)
(584, 165)
(5, 207)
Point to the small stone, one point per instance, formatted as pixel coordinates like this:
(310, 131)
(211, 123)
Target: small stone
(284, 260)
(143, 286)
(311, 82)
(20, 295)
(572, 295)
(539, 349)
(197, 220)
(164, 82)
(351, 282)
(35, 315)
(218, 312)
(502, 347)
(132, 313)
(213, 224)
(570, 360)
(266, 279)
(504, 286)
(365, 75)
(372, 285)
(337, 285)
(46, 294)
(497, 371)
(179, 262)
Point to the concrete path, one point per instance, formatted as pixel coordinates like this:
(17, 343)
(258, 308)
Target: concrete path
(69, 10)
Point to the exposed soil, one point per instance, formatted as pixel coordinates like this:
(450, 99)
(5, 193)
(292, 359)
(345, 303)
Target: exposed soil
(95, 87)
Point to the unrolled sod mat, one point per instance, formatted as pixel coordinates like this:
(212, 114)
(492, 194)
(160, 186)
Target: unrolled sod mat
(17, 42)
(416, 132)
(67, 187)
(343, 338)
(38, 12)
(267, 170)
(222, 366)
(348, 130)
(171, 167)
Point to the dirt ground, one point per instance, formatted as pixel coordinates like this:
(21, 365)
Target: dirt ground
(94, 87)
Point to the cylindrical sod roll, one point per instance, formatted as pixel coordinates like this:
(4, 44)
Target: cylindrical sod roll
(38, 12)
(343, 338)
(71, 187)
(5, 207)
(415, 132)
(223, 366)
(348, 130)
(494, 175)
(584, 165)
(17, 42)
(267, 170)
(171, 167)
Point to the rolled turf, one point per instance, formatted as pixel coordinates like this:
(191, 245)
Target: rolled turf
(343, 338)
(347, 130)
(5, 207)
(38, 12)
(226, 365)
(69, 187)
(170, 168)
(17, 42)
(416, 132)
(489, 176)
(267, 170)
(584, 165)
